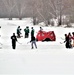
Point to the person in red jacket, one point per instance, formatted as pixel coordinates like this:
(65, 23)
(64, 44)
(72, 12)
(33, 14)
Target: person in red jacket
(70, 40)
(73, 39)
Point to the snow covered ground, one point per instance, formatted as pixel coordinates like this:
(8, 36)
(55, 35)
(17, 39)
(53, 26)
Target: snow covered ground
(50, 58)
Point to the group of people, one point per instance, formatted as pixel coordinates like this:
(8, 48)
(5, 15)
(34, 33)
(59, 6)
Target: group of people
(26, 30)
(69, 40)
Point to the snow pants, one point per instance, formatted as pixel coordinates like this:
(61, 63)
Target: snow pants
(13, 44)
(18, 34)
(33, 42)
(68, 45)
(26, 35)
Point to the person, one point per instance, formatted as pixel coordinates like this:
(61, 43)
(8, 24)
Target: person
(73, 39)
(33, 41)
(41, 29)
(14, 39)
(67, 41)
(18, 31)
(26, 30)
(69, 34)
(32, 32)
(70, 40)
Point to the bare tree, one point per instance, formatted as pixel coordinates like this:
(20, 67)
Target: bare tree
(58, 8)
(44, 10)
(9, 4)
(41, 9)
(20, 7)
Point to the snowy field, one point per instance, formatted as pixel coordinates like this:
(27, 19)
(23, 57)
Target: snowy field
(50, 58)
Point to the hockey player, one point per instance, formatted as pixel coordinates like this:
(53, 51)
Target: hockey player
(32, 32)
(14, 39)
(41, 28)
(67, 41)
(73, 39)
(18, 31)
(26, 30)
(70, 40)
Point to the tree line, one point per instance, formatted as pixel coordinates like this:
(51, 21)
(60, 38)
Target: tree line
(40, 10)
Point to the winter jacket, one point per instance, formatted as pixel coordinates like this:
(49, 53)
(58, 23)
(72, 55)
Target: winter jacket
(33, 39)
(14, 39)
(26, 30)
(68, 42)
(18, 30)
(32, 32)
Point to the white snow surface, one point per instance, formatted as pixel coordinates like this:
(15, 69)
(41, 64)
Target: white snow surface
(50, 58)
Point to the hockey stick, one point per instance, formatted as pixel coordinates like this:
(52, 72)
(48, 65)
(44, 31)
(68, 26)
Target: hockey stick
(19, 43)
(62, 38)
(28, 42)
(62, 42)
(1, 44)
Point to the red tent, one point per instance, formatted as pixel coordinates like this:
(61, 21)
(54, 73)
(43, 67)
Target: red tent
(46, 36)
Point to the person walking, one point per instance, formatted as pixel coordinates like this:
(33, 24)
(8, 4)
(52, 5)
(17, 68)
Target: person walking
(14, 39)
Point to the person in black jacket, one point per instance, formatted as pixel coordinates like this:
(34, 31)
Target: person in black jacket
(67, 41)
(14, 39)
(70, 40)
(32, 31)
(33, 41)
